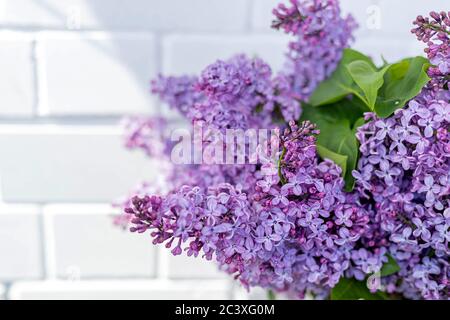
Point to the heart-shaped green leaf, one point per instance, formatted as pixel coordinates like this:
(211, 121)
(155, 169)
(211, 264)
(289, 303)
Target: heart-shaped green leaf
(402, 82)
(368, 79)
(337, 140)
(340, 84)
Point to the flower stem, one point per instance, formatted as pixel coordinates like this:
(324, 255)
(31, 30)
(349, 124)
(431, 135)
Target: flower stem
(271, 295)
(436, 28)
(280, 174)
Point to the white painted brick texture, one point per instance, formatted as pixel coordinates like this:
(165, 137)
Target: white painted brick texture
(191, 54)
(20, 243)
(17, 75)
(57, 163)
(69, 71)
(139, 290)
(96, 73)
(167, 15)
(82, 244)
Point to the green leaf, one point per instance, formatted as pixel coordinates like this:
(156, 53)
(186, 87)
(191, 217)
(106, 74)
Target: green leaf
(346, 109)
(390, 267)
(340, 84)
(402, 82)
(352, 289)
(368, 79)
(337, 141)
(271, 295)
(340, 139)
(383, 91)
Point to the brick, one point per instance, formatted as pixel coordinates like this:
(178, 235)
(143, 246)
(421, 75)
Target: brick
(17, 76)
(96, 73)
(51, 163)
(191, 54)
(83, 243)
(132, 290)
(193, 268)
(20, 243)
(201, 15)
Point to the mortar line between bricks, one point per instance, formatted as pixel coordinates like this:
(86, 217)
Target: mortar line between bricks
(41, 79)
(84, 31)
(48, 243)
(85, 119)
(43, 242)
(35, 78)
(162, 263)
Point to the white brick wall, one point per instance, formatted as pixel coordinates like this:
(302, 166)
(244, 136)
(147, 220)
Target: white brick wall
(67, 163)
(82, 76)
(20, 243)
(81, 244)
(17, 76)
(69, 70)
(113, 289)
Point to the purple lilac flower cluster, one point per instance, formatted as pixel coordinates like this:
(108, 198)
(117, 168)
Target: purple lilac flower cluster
(178, 92)
(297, 236)
(404, 172)
(320, 34)
(435, 32)
(240, 94)
(286, 223)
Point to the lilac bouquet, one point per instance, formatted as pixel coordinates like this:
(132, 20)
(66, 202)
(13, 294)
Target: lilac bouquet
(335, 182)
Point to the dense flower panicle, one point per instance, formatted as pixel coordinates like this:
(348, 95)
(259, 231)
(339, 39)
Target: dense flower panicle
(299, 236)
(142, 190)
(286, 223)
(239, 79)
(178, 92)
(321, 35)
(435, 32)
(405, 170)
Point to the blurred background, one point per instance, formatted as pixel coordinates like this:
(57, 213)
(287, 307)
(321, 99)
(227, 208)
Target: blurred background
(69, 71)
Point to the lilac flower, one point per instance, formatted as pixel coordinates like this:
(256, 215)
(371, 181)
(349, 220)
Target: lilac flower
(421, 229)
(320, 36)
(286, 223)
(430, 188)
(407, 184)
(178, 92)
(279, 197)
(343, 217)
(429, 126)
(385, 128)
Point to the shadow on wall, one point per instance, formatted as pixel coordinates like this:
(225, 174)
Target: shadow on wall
(129, 42)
